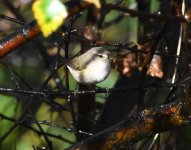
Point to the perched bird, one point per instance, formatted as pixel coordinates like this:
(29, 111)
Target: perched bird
(91, 67)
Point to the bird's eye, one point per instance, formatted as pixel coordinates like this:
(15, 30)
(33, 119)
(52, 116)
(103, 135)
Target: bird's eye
(100, 55)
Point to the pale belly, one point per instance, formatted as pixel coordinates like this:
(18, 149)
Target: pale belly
(93, 73)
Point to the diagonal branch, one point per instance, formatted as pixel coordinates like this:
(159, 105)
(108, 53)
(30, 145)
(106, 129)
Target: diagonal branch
(146, 123)
(31, 30)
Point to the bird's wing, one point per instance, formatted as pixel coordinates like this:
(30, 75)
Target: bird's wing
(74, 64)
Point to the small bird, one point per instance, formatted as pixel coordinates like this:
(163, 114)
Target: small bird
(91, 67)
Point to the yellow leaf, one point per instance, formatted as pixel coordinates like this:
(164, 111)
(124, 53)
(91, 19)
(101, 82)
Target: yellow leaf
(50, 15)
(95, 2)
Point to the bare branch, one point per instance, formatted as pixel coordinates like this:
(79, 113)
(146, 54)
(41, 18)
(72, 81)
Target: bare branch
(31, 30)
(146, 123)
(145, 15)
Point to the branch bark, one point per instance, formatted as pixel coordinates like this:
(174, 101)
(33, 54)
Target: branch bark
(146, 123)
(31, 30)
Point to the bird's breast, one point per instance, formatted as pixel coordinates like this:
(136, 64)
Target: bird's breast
(94, 72)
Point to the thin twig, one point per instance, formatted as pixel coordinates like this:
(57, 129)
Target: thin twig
(63, 127)
(24, 124)
(42, 131)
(179, 45)
(144, 15)
(12, 19)
(146, 63)
(47, 94)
